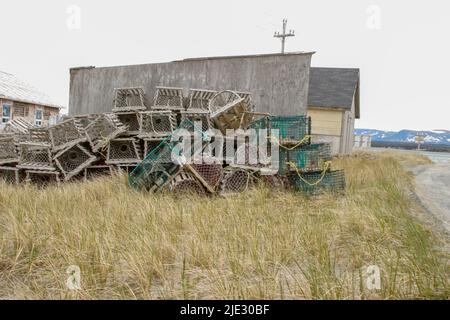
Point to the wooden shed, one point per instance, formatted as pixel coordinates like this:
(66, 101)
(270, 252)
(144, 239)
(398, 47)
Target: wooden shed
(333, 105)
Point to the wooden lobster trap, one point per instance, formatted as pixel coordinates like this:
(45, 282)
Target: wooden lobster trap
(229, 110)
(164, 162)
(94, 171)
(168, 98)
(131, 121)
(102, 130)
(200, 118)
(185, 183)
(8, 151)
(129, 99)
(73, 160)
(11, 175)
(85, 120)
(151, 144)
(42, 178)
(209, 172)
(39, 135)
(66, 134)
(124, 151)
(236, 180)
(18, 126)
(199, 99)
(35, 156)
(156, 124)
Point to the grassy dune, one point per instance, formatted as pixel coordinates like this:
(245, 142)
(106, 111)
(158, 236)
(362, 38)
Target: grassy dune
(258, 245)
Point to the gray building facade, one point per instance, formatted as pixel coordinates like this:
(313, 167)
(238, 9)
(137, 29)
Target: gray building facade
(279, 83)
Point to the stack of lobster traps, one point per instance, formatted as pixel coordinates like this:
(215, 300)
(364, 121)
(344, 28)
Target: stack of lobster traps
(142, 136)
(305, 165)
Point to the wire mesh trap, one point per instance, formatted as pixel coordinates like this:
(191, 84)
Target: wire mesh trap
(151, 144)
(73, 160)
(95, 171)
(292, 129)
(124, 151)
(168, 98)
(199, 99)
(163, 163)
(129, 99)
(305, 158)
(11, 175)
(42, 178)
(156, 170)
(105, 128)
(210, 171)
(8, 151)
(39, 135)
(65, 134)
(18, 126)
(248, 154)
(185, 183)
(154, 124)
(85, 120)
(236, 180)
(200, 117)
(318, 182)
(124, 168)
(35, 156)
(129, 120)
(230, 111)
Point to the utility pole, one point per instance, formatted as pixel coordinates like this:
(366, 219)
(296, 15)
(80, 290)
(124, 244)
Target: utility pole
(284, 35)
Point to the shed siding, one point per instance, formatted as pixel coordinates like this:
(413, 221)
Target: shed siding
(326, 122)
(278, 83)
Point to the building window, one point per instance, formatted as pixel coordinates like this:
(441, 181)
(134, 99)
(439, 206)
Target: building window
(38, 117)
(6, 113)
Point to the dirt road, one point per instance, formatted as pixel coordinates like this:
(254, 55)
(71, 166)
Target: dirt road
(433, 190)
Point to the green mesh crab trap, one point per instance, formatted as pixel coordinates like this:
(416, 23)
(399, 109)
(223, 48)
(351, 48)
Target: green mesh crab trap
(305, 158)
(318, 182)
(165, 161)
(292, 129)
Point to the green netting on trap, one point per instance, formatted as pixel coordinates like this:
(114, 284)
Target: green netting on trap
(318, 182)
(292, 129)
(305, 158)
(166, 160)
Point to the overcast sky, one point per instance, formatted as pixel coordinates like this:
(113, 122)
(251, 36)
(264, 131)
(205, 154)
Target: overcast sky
(402, 47)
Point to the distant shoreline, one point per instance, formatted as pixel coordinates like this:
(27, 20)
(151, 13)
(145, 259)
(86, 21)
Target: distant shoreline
(411, 146)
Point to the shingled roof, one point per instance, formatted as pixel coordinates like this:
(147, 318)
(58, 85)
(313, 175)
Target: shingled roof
(334, 88)
(14, 89)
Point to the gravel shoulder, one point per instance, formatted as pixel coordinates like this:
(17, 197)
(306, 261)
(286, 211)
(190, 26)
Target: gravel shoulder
(433, 190)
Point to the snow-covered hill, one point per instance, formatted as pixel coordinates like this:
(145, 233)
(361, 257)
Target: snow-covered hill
(432, 137)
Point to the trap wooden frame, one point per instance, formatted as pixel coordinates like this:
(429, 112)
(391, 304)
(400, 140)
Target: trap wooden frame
(134, 149)
(149, 126)
(102, 130)
(96, 170)
(66, 134)
(232, 112)
(12, 175)
(41, 153)
(8, 151)
(199, 99)
(50, 174)
(168, 98)
(123, 96)
(185, 182)
(77, 149)
(130, 119)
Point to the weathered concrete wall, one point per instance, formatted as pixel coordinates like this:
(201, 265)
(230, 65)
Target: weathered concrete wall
(278, 83)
